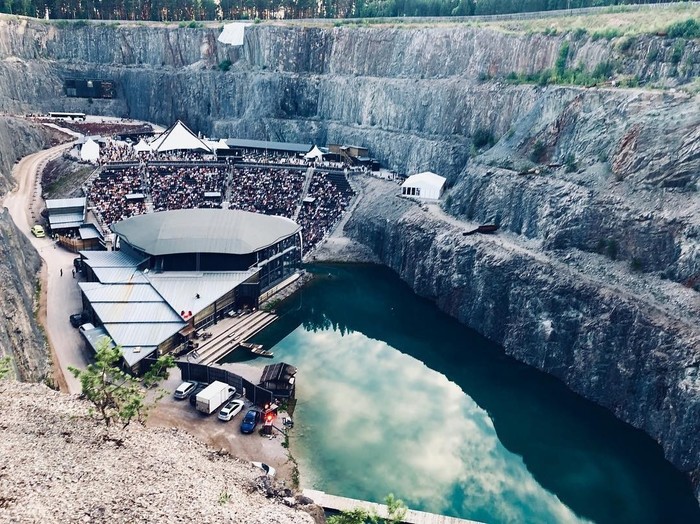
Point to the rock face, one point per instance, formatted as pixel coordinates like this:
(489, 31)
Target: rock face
(595, 190)
(58, 468)
(628, 343)
(415, 97)
(20, 337)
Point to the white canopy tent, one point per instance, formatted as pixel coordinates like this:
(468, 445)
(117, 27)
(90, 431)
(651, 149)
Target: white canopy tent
(314, 154)
(424, 185)
(142, 147)
(178, 138)
(90, 151)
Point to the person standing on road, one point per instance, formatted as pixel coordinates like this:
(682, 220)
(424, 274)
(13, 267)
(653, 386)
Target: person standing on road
(61, 270)
(73, 271)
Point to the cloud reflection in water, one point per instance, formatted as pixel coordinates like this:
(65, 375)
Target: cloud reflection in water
(372, 420)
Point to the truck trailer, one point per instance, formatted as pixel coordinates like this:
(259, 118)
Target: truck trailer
(213, 396)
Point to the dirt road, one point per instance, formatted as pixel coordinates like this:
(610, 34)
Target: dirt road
(60, 292)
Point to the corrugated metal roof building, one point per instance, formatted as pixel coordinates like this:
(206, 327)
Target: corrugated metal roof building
(66, 213)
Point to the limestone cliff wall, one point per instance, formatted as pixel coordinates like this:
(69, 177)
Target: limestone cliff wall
(634, 354)
(413, 95)
(20, 337)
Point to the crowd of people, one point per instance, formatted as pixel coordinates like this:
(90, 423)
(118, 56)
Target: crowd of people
(264, 157)
(116, 194)
(324, 206)
(176, 187)
(116, 151)
(267, 191)
(108, 194)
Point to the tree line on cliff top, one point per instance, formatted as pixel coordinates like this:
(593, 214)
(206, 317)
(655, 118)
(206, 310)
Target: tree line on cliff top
(189, 10)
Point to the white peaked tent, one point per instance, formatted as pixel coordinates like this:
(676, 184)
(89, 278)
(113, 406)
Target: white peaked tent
(90, 151)
(315, 153)
(178, 138)
(142, 147)
(424, 185)
(216, 144)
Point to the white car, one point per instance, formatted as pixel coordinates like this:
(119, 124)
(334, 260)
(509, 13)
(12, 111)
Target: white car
(230, 410)
(269, 470)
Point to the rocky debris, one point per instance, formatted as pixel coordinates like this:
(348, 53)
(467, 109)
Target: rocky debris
(58, 467)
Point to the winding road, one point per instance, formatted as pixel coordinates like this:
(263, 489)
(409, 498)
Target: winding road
(60, 292)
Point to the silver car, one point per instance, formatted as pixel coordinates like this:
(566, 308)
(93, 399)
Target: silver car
(183, 390)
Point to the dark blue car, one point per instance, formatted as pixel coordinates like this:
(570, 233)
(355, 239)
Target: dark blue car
(250, 420)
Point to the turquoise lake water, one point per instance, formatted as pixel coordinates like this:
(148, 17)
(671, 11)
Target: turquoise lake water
(396, 397)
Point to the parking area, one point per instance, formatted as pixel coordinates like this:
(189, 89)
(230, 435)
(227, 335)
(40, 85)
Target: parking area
(180, 414)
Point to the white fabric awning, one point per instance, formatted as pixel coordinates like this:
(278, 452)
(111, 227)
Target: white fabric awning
(315, 153)
(90, 151)
(178, 138)
(142, 146)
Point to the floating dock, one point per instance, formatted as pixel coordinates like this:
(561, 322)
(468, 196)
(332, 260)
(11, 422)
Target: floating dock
(336, 503)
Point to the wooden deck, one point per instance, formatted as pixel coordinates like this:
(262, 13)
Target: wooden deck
(219, 340)
(336, 503)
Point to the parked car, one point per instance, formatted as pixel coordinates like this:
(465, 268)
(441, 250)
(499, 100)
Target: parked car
(193, 394)
(250, 420)
(77, 319)
(230, 410)
(184, 390)
(38, 231)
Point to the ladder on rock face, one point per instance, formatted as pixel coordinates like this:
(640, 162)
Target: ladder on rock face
(304, 192)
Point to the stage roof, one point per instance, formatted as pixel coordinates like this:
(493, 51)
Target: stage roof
(224, 231)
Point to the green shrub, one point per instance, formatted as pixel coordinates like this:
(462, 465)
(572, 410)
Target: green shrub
(538, 151)
(677, 52)
(630, 81)
(193, 25)
(560, 64)
(579, 33)
(225, 65)
(636, 265)
(624, 44)
(603, 70)
(482, 137)
(652, 55)
(687, 29)
(607, 34)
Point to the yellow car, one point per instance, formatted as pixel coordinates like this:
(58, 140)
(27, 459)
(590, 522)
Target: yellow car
(38, 231)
